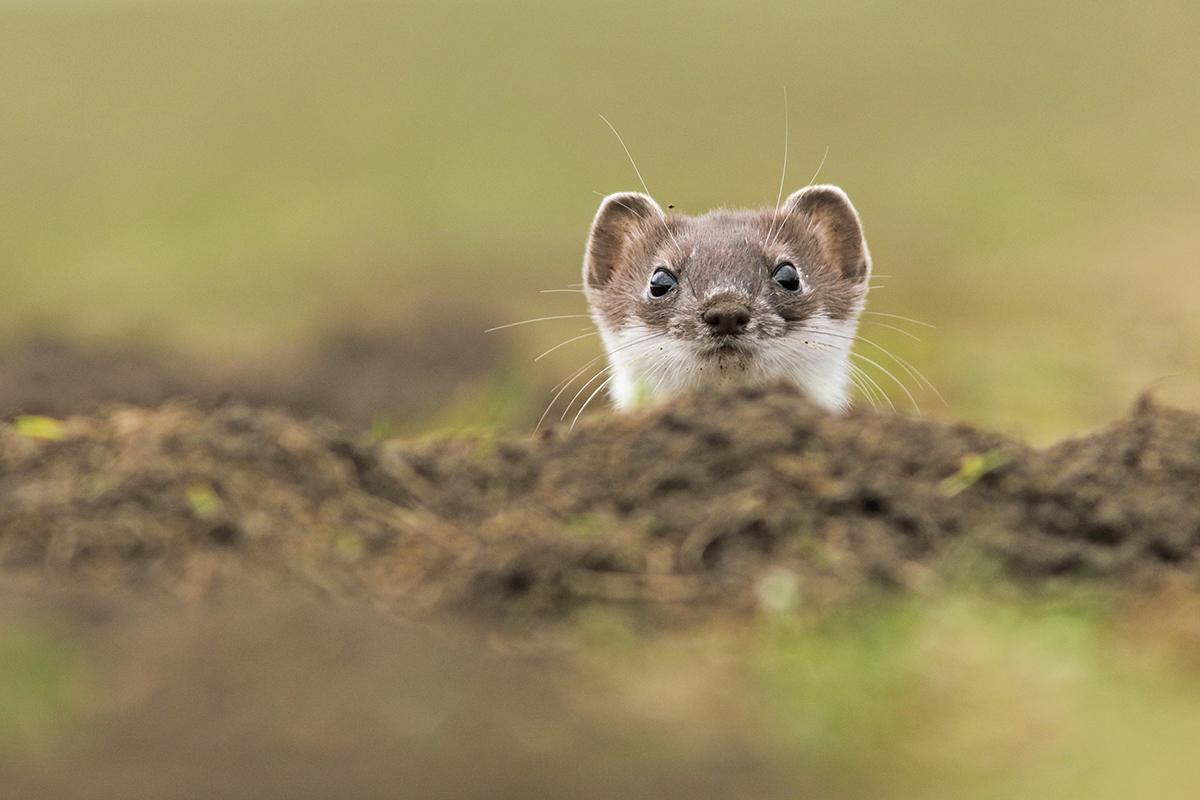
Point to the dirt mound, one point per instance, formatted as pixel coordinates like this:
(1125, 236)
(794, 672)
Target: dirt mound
(220, 600)
(718, 501)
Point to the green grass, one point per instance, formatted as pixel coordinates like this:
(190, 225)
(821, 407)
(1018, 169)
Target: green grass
(41, 685)
(972, 692)
(983, 696)
(229, 175)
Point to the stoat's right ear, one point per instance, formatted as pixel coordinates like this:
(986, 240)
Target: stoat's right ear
(620, 216)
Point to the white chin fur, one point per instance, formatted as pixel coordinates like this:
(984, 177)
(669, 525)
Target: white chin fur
(647, 364)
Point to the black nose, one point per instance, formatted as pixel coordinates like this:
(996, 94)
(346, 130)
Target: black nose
(727, 316)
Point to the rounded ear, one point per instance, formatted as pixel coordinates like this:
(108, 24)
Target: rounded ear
(835, 222)
(620, 216)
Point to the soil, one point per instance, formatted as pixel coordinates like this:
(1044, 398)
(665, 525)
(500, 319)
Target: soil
(354, 375)
(318, 554)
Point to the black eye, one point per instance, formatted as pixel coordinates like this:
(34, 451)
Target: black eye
(787, 277)
(661, 282)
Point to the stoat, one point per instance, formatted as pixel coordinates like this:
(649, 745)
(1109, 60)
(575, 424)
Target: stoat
(747, 297)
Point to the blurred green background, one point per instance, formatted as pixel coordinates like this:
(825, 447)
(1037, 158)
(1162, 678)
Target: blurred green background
(227, 176)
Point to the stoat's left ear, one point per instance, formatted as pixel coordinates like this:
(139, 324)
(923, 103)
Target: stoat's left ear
(827, 212)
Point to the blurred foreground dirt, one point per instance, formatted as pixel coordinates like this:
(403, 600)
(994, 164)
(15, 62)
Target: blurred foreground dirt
(272, 605)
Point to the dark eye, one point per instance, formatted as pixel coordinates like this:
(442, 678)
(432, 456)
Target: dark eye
(661, 282)
(787, 277)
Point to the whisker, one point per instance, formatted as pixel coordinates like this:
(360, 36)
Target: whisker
(893, 328)
(897, 316)
(819, 166)
(909, 368)
(583, 389)
(782, 222)
(898, 382)
(562, 387)
(858, 377)
(639, 174)
(627, 153)
(571, 378)
(810, 183)
(912, 371)
(866, 376)
(552, 291)
(662, 369)
(590, 398)
(783, 177)
(633, 343)
(539, 319)
(553, 400)
(568, 341)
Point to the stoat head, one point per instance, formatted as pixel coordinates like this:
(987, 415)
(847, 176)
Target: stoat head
(728, 297)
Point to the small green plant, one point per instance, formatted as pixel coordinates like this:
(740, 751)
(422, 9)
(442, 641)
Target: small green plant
(37, 427)
(972, 469)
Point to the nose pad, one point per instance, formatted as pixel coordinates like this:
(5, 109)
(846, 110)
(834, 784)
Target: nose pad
(727, 316)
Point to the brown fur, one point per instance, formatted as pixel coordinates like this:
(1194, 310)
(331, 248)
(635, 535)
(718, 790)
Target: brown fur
(816, 229)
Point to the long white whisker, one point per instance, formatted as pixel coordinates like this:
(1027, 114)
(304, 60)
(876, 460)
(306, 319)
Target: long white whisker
(783, 177)
(562, 387)
(568, 341)
(898, 382)
(912, 371)
(570, 378)
(553, 400)
(907, 367)
(813, 179)
(590, 398)
(893, 328)
(667, 228)
(864, 374)
(859, 378)
(897, 316)
(788, 215)
(539, 319)
(583, 388)
(662, 378)
(642, 180)
(662, 369)
(782, 222)
(627, 153)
